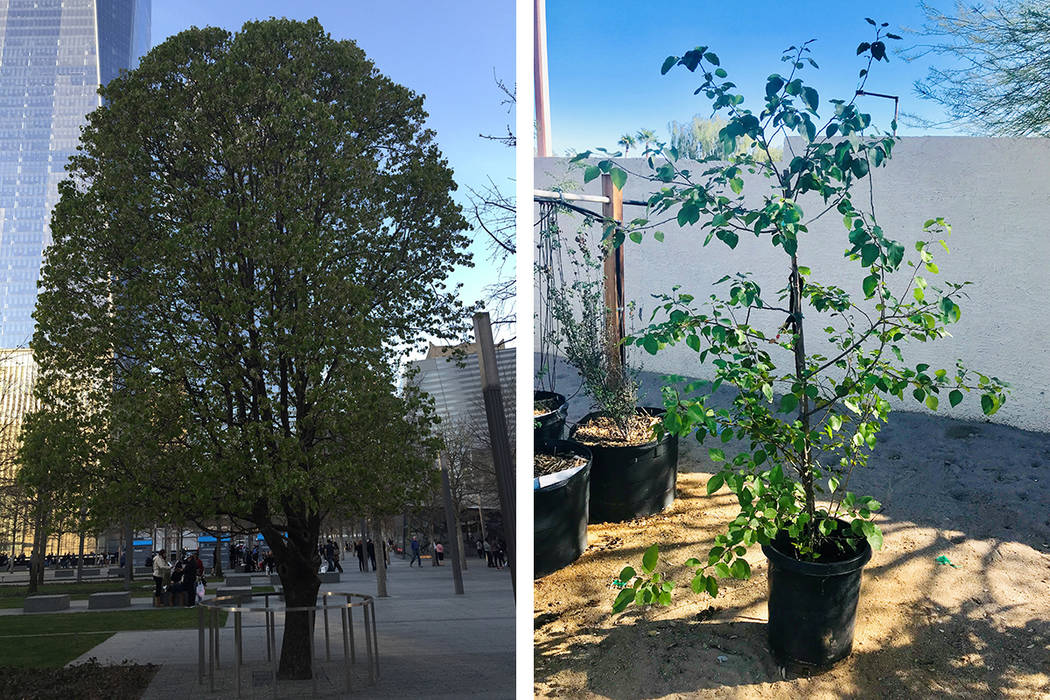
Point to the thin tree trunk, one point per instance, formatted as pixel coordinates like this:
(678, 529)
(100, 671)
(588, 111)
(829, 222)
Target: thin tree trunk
(378, 529)
(806, 467)
(459, 541)
(80, 560)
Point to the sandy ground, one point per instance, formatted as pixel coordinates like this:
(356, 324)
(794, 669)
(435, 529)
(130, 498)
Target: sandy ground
(976, 493)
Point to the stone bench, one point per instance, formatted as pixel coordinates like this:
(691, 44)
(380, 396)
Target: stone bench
(240, 594)
(65, 573)
(117, 571)
(46, 603)
(148, 570)
(239, 580)
(329, 577)
(91, 572)
(113, 599)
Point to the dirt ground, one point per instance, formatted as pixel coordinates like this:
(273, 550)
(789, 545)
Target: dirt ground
(976, 493)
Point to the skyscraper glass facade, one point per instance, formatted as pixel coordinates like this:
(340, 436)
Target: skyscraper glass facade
(54, 54)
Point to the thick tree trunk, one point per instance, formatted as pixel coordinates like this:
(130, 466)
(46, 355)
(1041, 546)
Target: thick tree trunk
(297, 565)
(129, 553)
(459, 541)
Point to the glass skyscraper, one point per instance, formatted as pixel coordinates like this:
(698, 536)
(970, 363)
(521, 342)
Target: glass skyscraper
(54, 54)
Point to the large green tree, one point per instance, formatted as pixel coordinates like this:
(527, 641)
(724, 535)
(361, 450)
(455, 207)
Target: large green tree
(992, 69)
(256, 228)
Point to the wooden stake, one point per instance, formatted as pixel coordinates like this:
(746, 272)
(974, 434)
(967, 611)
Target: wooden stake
(613, 279)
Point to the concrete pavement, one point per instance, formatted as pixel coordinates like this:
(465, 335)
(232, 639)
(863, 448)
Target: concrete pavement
(432, 643)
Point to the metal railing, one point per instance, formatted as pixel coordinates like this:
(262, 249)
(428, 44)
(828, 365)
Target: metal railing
(344, 602)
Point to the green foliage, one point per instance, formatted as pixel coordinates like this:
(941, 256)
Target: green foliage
(992, 76)
(699, 140)
(577, 306)
(256, 229)
(804, 445)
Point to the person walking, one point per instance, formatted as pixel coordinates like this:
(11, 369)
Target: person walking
(335, 558)
(372, 553)
(439, 551)
(359, 549)
(481, 548)
(488, 554)
(415, 553)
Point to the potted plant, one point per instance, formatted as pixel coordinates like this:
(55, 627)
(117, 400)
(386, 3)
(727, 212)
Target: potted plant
(561, 488)
(549, 410)
(805, 419)
(634, 470)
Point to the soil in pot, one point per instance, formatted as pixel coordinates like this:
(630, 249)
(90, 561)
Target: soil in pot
(813, 604)
(548, 413)
(560, 499)
(632, 475)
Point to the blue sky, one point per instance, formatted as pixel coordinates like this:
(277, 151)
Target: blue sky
(445, 51)
(605, 55)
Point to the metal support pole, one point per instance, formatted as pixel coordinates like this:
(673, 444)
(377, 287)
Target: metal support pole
(346, 645)
(200, 645)
(375, 641)
(502, 456)
(327, 643)
(353, 652)
(237, 656)
(271, 652)
(450, 523)
(368, 644)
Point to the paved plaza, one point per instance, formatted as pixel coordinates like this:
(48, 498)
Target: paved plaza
(432, 643)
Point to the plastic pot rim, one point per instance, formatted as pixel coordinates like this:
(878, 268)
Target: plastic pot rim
(788, 563)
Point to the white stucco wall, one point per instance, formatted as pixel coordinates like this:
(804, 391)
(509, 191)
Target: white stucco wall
(995, 192)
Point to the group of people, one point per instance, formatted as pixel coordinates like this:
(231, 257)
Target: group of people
(187, 576)
(496, 554)
(438, 551)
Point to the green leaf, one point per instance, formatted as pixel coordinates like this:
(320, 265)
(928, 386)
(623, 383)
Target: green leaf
(692, 562)
(810, 97)
(625, 597)
(716, 455)
(955, 397)
(650, 344)
(711, 58)
(875, 538)
(870, 284)
(715, 483)
(693, 341)
(649, 559)
(931, 402)
(659, 236)
(869, 254)
(668, 64)
(712, 586)
(591, 172)
(635, 236)
(721, 72)
(788, 403)
(740, 569)
(987, 405)
(619, 177)
(767, 391)
(626, 574)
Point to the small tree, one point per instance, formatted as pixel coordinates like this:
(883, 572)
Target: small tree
(804, 444)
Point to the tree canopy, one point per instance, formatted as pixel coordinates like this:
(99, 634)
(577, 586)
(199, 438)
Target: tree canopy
(257, 228)
(995, 75)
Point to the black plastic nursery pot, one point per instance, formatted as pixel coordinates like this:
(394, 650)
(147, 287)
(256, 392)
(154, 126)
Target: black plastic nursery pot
(560, 511)
(812, 605)
(634, 481)
(549, 425)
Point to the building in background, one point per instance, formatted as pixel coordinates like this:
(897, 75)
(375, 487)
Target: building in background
(450, 374)
(54, 55)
